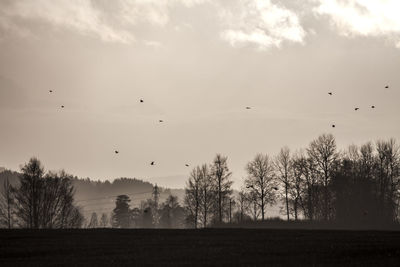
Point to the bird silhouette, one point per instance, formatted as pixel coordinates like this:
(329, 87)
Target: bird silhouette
(330, 93)
(356, 109)
(62, 106)
(152, 163)
(141, 101)
(275, 188)
(333, 125)
(187, 165)
(160, 121)
(116, 151)
(372, 106)
(248, 107)
(387, 86)
(50, 91)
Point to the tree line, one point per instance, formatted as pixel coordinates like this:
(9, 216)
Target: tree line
(358, 186)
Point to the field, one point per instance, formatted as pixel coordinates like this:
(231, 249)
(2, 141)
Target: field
(248, 247)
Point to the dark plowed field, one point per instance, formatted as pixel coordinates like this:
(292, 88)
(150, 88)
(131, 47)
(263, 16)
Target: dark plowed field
(199, 247)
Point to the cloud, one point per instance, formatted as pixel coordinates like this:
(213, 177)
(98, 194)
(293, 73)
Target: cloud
(260, 22)
(111, 21)
(153, 44)
(76, 15)
(363, 17)
(245, 21)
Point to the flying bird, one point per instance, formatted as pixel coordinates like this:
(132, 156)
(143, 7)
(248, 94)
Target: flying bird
(141, 101)
(152, 163)
(116, 151)
(333, 125)
(248, 107)
(372, 106)
(50, 91)
(62, 106)
(187, 165)
(387, 86)
(330, 93)
(356, 109)
(160, 121)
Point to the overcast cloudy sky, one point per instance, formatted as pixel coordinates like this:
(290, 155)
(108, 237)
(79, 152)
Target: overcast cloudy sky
(197, 64)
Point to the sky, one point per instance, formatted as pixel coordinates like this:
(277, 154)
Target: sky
(197, 64)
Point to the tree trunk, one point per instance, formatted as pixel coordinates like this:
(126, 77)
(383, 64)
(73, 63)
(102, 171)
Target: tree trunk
(309, 204)
(326, 198)
(8, 211)
(230, 210)
(205, 215)
(255, 211)
(219, 200)
(262, 205)
(196, 211)
(287, 200)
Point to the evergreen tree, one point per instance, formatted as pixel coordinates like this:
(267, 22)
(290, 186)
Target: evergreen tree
(121, 213)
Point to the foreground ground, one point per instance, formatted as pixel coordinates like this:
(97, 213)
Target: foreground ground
(199, 247)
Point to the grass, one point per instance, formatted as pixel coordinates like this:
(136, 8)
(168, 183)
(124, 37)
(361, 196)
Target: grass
(249, 247)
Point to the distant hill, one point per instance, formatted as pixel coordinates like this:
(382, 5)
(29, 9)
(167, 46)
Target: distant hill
(171, 181)
(99, 196)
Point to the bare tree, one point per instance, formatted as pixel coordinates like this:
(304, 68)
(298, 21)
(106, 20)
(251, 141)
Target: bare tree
(367, 161)
(323, 152)
(171, 213)
(261, 181)
(254, 208)
(192, 196)
(75, 218)
(283, 167)
(7, 205)
(306, 177)
(168, 206)
(56, 200)
(45, 201)
(221, 175)
(299, 184)
(243, 204)
(28, 193)
(207, 193)
(232, 204)
(388, 176)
